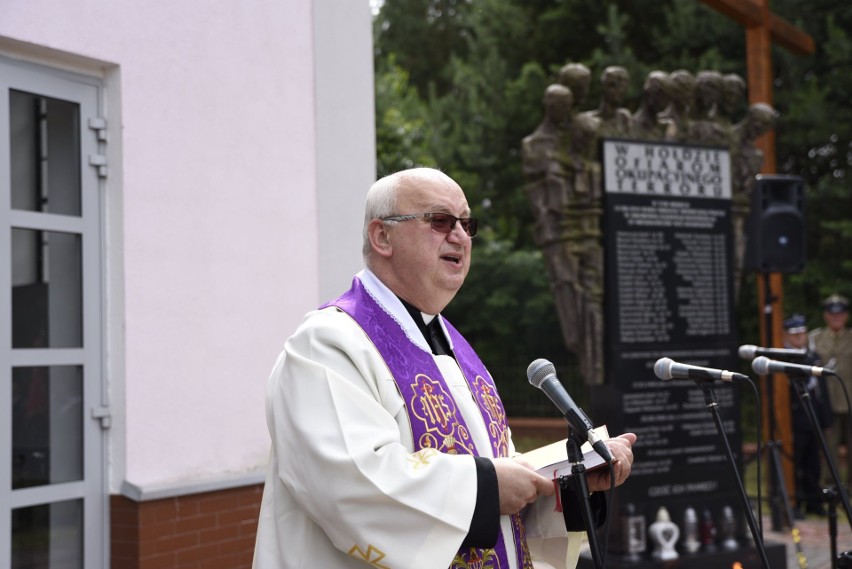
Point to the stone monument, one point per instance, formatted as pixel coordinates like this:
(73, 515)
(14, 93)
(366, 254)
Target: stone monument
(562, 169)
(640, 215)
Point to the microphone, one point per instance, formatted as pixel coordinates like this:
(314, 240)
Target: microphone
(667, 368)
(748, 352)
(763, 366)
(542, 374)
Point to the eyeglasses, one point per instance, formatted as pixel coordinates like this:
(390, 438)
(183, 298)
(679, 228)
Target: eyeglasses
(441, 222)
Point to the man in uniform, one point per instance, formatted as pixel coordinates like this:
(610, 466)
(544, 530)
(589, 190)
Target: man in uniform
(806, 445)
(833, 343)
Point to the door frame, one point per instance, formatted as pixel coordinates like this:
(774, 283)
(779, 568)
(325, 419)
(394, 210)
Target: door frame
(88, 93)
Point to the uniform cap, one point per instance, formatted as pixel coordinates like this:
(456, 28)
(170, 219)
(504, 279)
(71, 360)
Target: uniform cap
(796, 324)
(835, 304)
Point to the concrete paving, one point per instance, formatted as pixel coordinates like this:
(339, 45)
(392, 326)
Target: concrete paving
(814, 540)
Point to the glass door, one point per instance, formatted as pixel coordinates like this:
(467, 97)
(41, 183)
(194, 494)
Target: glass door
(53, 500)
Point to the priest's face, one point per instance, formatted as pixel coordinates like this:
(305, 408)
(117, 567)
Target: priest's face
(428, 265)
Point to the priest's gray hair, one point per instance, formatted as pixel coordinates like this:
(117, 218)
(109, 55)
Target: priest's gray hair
(381, 202)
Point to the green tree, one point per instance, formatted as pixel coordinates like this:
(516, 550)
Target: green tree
(423, 35)
(814, 140)
(401, 121)
(477, 72)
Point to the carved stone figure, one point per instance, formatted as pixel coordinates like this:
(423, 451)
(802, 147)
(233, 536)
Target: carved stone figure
(682, 100)
(549, 187)
(548, 181)
(614, 119)
(748, 159)
(733, 97)
(561, 164)
(746, 163)
(708, 94)
(656, 95)
(563, 185)
(578, 78)
(705, 127)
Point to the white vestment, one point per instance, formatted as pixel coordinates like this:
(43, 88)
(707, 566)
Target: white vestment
(343, 487)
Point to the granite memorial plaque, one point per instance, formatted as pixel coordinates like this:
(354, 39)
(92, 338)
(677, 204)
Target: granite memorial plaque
(669, 293)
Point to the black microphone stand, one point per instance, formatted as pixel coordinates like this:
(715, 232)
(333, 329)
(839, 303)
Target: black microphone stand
(831, 496)
(779, 496)
(581, 489)
(798, 381)
(713, 407)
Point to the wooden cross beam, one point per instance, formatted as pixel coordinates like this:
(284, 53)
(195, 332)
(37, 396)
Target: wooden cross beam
(756, 13)
(762, 29)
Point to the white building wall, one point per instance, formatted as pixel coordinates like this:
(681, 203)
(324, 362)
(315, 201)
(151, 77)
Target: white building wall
(241, 146)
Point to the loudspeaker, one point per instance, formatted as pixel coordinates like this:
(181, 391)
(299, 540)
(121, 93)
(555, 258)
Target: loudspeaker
(775, 230)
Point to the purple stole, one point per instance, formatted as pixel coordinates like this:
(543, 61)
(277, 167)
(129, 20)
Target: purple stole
(435, 421)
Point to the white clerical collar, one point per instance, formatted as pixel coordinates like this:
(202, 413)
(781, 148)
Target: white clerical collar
(393, 306)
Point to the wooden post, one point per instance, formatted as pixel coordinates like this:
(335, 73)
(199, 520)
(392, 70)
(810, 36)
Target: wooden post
(763, 28)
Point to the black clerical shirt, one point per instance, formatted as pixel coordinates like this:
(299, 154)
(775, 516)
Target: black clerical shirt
(432, 331)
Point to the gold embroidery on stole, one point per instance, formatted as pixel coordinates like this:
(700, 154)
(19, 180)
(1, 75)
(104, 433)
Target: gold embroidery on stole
(476, 559)
(435, 408)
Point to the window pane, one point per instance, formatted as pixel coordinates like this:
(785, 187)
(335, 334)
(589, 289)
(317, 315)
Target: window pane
(45, 154)
(47, 301)
(49, 536)
(47, 425)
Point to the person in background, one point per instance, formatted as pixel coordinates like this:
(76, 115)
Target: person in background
(806, 445)
(833, 343)
(390, 445)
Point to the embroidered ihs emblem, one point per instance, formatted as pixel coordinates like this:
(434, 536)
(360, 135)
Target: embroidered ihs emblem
(489, 400)
(431, 404)
(436, 411)
(493, 414)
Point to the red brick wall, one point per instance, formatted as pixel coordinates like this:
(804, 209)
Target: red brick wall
(212, 530)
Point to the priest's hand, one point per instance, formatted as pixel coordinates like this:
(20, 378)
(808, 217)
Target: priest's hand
(621, 449)
(519, 485)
